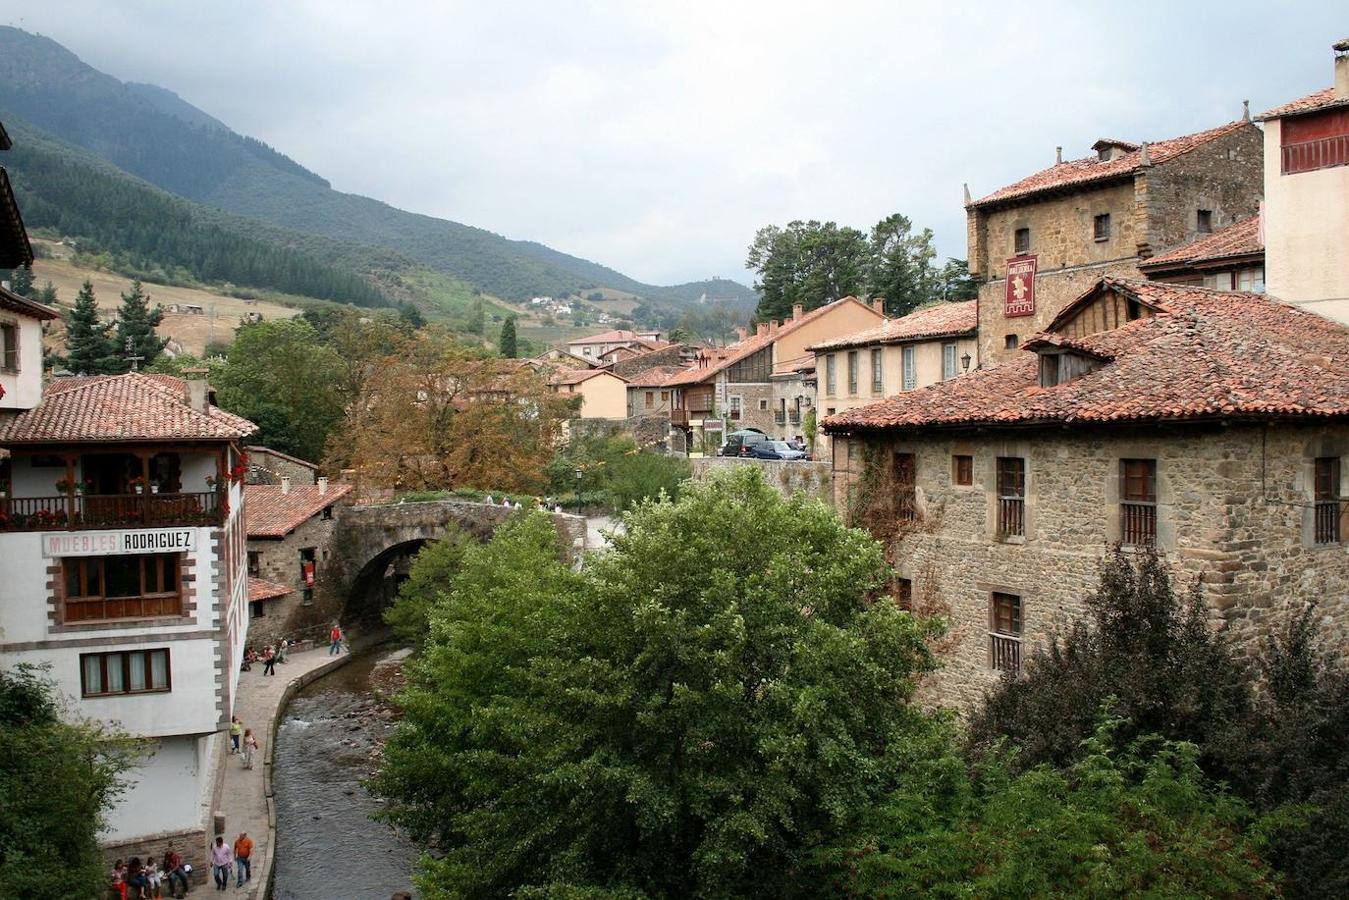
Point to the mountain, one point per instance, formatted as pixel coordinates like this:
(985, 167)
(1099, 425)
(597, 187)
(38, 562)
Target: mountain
(155, 135)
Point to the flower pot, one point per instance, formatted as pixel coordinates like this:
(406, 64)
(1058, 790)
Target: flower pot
(140, 489)
(154, 489)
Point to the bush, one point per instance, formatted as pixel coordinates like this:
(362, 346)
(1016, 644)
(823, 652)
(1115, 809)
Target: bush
(614, 472)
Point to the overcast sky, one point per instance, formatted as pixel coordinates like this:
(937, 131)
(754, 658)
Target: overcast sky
(656, 137)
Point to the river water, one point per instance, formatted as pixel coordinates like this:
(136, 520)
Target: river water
(327, 846)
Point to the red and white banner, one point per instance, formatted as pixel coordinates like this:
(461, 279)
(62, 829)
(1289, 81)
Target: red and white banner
(1020, 300)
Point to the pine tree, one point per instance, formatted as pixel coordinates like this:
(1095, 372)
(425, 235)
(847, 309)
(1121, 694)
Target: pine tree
(477, 317)
(136, 323)
(507, 343)
(47, 294)
(89, 343)
(21, 281)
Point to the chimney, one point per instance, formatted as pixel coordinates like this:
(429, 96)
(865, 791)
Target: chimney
(773, 326)
(878, 304)
(740, 332)
(798, 310)
(761, 330)
(323, 484)
(1341, 49)
(285, 484)
(968, 199)
(198, 394)
(1058, 156)
(1143, 158)
(1245, 110)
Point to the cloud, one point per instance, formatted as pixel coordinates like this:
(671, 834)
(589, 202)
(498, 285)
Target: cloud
(656, 137)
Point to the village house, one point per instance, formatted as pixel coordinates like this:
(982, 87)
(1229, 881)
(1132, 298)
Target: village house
(603, 394)
(649, 393)
(1037, 243)
(290, 526)
(1211, 425)
(746, 384)
(1306, 221)
(595, 346)
(1229, 259)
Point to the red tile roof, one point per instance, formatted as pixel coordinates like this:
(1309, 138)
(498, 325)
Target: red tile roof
(576, 376)
(265, 590)
(937, 321)
(616, 336)
(1205, 355)
(1240, 239)
(22, 305)
(1091, 169)
(1310, 103)
(269, 513)
(656, 376)
(131, 407)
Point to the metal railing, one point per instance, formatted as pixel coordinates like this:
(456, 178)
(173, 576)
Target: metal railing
(779, 417)
(1138, 523)
(1004, 651)
(1327, 521)
(906, 503)
(1322, 153)
(1011, 516)
(86, 511)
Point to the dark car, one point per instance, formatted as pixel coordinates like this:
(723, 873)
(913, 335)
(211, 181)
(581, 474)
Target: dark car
(776, 450)
(738, 443)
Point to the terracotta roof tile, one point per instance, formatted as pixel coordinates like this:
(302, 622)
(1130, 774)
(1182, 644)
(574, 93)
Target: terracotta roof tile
(656, 376)
(613, 337)
(1072, 173)
(259, 589)
(24, 306)
(576, 376)
(1206, 354)
(269, 513)
(1240, 239)
(131, 407)
(937, 321)
(1311, 103)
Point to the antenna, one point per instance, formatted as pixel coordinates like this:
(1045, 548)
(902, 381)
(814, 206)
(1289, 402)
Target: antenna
(130, 354)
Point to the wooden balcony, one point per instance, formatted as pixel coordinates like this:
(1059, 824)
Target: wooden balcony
(81, 512)
(1327, 522)
(1011, 517)
(1138, 523)
(1308, 156)
(1004, 651)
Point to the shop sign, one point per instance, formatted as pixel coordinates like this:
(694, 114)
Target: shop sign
(118, 542)
(1020, 300)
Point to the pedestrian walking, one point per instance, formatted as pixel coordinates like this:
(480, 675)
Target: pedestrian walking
(269, 661)
(173, 871)
(250, 747)
(236, 732)
(283, 651)
(243, 852)
(222, 860)
(335, 639)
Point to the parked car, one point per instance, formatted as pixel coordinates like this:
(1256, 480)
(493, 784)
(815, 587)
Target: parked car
(776, 450)
(739, 442)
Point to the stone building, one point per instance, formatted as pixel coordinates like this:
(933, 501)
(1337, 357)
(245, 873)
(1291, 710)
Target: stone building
(290, 529)
(1307, 196)
(268, 466)
(1062, 229)
(745, 384)
(1213, 425)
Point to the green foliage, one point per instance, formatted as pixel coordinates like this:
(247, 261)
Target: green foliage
(136, 321)
(811, 426)
(58, 780)
(21, 281)
(686, 716)
(956, 283)
(431, 577)
(901, 265)
(90, 348)
(281, 377)
(1132, 821)
(46, 294)
(614, 471)
(508, 343)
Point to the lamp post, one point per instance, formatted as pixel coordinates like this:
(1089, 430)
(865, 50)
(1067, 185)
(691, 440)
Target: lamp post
(579, 475)
(965, 361)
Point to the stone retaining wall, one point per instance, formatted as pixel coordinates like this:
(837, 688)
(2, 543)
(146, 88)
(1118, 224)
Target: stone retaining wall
(788, 476)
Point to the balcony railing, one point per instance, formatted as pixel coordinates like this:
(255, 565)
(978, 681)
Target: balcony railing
(1138, 523)
(1307, 156)
(794, 417)
(1327, 521)
(779, 417)
(1011, 516)
(86, 511)
(1004, 651)
(679, 417)
(906, 503)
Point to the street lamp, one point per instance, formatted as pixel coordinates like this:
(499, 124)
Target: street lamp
(579, 476)
(965, 361)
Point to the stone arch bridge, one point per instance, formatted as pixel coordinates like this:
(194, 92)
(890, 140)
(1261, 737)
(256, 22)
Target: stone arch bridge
(370, 543)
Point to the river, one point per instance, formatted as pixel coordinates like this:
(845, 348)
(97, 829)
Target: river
(327, 846)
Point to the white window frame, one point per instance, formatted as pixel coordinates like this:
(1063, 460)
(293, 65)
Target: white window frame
(909, 355)
(948, 360)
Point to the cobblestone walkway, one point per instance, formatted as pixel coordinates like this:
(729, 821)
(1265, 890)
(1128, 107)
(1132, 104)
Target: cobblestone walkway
(245, 803)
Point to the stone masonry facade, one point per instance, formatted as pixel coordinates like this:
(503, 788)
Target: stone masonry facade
(1152, 211)
(278, 560)
(1234, 514)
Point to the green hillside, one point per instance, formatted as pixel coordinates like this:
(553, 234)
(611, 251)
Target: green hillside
(154, 134)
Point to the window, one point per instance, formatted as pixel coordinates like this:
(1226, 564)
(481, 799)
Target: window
(948, 361)
(1101, 227)
(734, 405)
(906, 476)
(255, 609)
(650, 399)
(1138, 502)
(763, 405)
(877, 373)
(831, 374)
(9, 346)
(1252, 280)
(1327, 500)
(1004, 632)
(1021, 241)
(1010, 342)
(124, 672)
(120, 587)
(1049, 369)
(962, 469)
(308, 565)
(255, 563)
(910, 368)
(904, 592)
(1203, 221)
(664, 396)
(327, 512)
(852, 372)
(1011, 496)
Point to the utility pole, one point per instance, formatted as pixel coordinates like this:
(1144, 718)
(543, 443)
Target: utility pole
(131, 356)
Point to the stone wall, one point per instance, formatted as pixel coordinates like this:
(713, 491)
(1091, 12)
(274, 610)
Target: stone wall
(752, 395)
(649, 431)
(268, 466)
(1251, 551)
(788, 476)
(279, 562)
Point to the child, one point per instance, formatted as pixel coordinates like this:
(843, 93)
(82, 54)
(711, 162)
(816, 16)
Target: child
(119, 879)
(250, 747)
